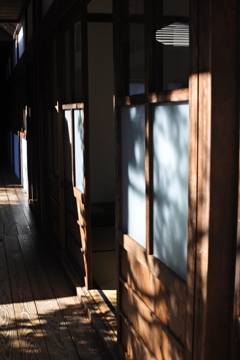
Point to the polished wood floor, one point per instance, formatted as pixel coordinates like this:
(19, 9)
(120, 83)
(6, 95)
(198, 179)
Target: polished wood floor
(40, 314)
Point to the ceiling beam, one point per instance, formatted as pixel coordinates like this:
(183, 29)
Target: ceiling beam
(9, 20)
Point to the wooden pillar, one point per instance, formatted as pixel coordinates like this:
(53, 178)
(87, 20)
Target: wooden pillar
(217, 180)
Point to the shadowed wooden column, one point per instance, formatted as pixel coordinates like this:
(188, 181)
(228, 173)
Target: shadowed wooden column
(217, 180)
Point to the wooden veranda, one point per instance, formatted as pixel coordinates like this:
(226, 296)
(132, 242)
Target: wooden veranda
(40, 315)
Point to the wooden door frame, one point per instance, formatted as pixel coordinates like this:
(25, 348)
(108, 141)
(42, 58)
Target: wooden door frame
(213, 135)
(80, 15)
(82, 199)
(183, 289)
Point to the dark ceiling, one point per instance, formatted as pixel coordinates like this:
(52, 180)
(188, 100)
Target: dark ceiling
(10, 15)
(11, 10)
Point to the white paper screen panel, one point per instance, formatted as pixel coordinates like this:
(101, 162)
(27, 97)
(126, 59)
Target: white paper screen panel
(78, 149)
(67, 145)
(24, 166)
(133, 173)
(170, 203)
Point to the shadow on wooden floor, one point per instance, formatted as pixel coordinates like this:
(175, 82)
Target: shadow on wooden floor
(40, 315)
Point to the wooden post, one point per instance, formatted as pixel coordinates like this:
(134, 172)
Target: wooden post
(217, 180)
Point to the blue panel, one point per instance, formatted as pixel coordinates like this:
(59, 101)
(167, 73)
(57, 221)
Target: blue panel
(21, 40)
(68, 142)
(170, 137)
(133, 173)
(79, 155)
(16, 156)
(11, 147)
(24, 164)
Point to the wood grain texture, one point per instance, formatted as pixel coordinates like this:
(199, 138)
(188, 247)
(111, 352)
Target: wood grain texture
(87, 344)
(139, 312)
(40, 315)
(193, 173)
(218, 138)
(74, 319)
(8, 222)
(1, 229)
(26, 210)
(155, 266)
(161, 97)
(58, 339)
(9, 343)
(31, 337)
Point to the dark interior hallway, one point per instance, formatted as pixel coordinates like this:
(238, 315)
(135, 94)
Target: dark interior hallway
(41, 316)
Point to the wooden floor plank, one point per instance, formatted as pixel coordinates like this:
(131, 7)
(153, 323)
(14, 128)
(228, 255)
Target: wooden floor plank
(6, 214)
(3, 198)
(26, 210)
(30, 334)
(11, 194)
(17, 198)
(58, 338)
(8, 222)
(9, 344)
(40, 314)
(17, 209)
(19, 215)
(1, 228)
(23, 229)
(88, 344)
(85, 338)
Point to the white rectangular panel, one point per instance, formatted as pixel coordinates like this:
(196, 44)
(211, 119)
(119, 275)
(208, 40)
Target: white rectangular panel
(133, 172)
(78, 148)
(170, 207)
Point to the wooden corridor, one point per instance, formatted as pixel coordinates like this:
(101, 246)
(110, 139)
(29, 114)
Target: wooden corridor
(40, 314)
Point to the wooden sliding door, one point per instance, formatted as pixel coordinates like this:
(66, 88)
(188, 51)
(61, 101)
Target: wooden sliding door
(76, 134)
(154, 158)
(74, 116)
(66, 146)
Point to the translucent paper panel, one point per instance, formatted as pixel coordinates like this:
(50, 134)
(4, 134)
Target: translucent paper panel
(133, 173)
(10, 149)
(170, 206)
(21, 40)
(16, 155)
(24, 168)
(68, 143)
(78, 150)
(15, 53)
